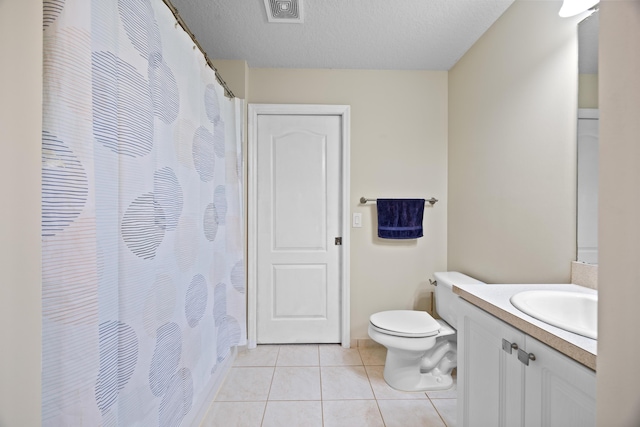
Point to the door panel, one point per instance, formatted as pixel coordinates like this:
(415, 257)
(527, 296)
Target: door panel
(299, 291)
(299, 161)
(298, 268)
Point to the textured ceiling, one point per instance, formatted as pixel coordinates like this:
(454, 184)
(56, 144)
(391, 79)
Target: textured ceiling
(352, 34)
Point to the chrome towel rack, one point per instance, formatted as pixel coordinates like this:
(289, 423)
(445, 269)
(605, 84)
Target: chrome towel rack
(364, 200)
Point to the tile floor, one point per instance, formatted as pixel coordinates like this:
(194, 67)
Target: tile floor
(321, 385)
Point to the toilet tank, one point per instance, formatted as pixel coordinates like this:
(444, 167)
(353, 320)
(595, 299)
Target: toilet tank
(446, 300)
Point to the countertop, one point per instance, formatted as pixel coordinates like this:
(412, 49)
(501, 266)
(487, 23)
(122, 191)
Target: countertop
(495, 300)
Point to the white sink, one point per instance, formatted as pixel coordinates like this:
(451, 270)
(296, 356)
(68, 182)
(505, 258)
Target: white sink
(572, 311)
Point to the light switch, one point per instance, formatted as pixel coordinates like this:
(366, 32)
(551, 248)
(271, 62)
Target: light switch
(357, 220)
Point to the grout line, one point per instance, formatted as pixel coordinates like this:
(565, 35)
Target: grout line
(266, 403)
(275, 362)
(437, 412)
(321, 396)
(369, 380)
(384, 423)
(436, 408)
(321, 393)
(264, 413)
(273, 374)
(278, 355)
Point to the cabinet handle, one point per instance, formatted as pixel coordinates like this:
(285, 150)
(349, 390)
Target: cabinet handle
(508, 347)
(524, 357)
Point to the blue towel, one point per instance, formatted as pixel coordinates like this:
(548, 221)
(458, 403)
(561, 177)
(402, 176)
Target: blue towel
(400, 218)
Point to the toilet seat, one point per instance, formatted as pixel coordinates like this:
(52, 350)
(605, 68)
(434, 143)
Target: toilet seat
(405, 323)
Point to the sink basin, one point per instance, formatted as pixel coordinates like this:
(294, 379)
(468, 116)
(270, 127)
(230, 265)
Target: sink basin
(572, 311)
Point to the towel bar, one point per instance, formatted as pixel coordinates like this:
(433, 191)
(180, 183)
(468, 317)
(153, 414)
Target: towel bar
(364, 200)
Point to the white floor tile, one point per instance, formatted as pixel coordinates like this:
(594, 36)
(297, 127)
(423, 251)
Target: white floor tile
(235, 414)
(351, 413)
(262, 355)
(296, 383)
(336, 355)
(409, 413)
(345, 382)
(382, 390)
(246, 384)
(293, 414)
(347, 390)
(298, 355)
(373, 355)
(447, 408)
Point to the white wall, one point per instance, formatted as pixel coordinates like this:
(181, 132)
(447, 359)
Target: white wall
(512, 149)
(235, 74)
(398, 149)
(20, 277)
(619, 207)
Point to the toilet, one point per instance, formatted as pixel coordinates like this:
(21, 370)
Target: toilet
(421, 351)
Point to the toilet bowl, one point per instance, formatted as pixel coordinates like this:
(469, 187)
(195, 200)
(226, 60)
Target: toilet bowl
(421, 351)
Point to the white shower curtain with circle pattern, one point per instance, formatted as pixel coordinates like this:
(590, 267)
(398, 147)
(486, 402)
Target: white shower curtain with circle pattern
(143, 254)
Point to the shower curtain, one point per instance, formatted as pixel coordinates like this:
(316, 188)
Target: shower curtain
(143, 254)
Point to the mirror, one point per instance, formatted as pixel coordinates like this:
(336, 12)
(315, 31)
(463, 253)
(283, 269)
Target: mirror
(588, 125)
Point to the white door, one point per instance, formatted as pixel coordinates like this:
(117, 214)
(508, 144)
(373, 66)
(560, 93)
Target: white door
(588, 135)
(298, 221)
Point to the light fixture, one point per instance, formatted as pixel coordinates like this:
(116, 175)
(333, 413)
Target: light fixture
(574, 7)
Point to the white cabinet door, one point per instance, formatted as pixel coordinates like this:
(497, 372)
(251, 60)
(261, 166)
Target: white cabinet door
(490, 378)
(559, 392)
(496, 389)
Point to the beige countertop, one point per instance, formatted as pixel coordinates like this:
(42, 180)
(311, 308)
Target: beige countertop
(495, 300)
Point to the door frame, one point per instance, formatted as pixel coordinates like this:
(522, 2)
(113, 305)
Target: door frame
(254, 111)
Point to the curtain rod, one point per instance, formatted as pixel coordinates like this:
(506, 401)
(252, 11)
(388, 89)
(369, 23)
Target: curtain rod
(227, 92)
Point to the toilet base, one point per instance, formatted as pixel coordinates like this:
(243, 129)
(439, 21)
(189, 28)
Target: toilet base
(419, 371)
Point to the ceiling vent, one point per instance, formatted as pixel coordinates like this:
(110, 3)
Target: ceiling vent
(284, 11)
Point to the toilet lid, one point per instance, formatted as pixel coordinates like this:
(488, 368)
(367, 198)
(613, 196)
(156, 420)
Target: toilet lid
(406, 323)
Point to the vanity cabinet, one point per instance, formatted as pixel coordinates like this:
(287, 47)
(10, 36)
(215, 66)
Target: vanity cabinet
(507, 378)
